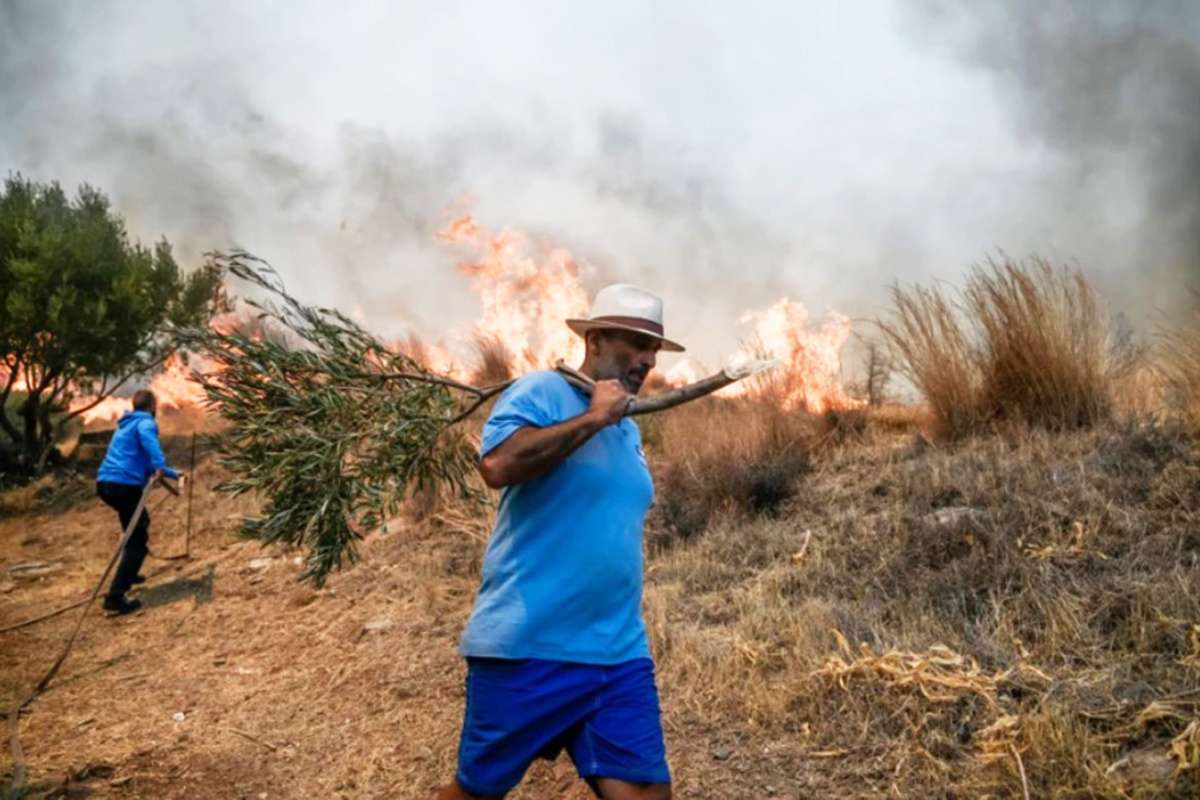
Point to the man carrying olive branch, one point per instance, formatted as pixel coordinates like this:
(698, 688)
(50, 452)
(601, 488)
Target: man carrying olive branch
(557, 656)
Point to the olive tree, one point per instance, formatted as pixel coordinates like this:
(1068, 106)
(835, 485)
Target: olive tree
(83, 309)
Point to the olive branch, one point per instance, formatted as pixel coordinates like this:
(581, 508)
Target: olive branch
(328, 423)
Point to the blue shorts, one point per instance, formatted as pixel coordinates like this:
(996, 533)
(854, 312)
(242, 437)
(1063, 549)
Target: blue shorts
(605, 716)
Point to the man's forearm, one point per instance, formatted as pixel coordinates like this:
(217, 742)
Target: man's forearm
(532, 452)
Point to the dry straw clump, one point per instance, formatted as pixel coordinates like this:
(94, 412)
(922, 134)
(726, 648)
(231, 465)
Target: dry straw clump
(1023, 341)
(940, 675)
(743, 456)
(1180, 365)
(494, 361)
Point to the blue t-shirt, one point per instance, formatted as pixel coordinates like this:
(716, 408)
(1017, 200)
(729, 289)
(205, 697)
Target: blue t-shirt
(562, 575)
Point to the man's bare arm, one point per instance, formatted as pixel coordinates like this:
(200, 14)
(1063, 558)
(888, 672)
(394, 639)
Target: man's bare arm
(532, 452)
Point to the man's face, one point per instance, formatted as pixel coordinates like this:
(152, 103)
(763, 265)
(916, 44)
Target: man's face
(624, 356)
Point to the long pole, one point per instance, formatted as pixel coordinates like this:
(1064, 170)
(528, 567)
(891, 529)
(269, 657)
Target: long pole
(16, 787)
(187, 537)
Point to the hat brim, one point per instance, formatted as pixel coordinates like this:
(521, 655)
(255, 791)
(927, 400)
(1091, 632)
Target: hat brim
(582, 326)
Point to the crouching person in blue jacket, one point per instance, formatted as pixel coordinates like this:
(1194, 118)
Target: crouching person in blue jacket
(134, 457)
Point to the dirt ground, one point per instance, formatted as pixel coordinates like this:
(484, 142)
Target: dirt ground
(236, 681)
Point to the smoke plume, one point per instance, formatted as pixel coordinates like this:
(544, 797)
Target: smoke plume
(724, 158)
(1113, 88)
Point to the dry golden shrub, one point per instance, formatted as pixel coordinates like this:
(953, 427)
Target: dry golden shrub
(862, 615)
(743, 456)
(417, 349)
(495, 361)
(934, 351)
(1180, 365)
(1047, 350)
(1026, 342)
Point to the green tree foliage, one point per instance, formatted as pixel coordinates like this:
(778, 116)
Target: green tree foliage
(327, 423)
(82, 308)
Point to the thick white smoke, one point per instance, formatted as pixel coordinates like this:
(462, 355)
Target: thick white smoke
(722, 155)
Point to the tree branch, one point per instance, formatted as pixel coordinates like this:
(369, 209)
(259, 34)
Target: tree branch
(105, 394)
(427, 378)
(483, 396)
(46, 377)
(5, 422)
(675, 397)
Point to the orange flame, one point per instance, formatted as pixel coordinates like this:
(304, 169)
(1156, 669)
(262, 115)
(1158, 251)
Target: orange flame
(809, 374)
(525, 299)
(526, 293)
(432, 357)
(527, 289)
(173, 389)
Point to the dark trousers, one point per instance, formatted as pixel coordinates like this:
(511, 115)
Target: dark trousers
(124, 499)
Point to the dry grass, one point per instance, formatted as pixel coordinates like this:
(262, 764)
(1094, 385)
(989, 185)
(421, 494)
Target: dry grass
(495, 362)
(1047, 349)
(1024, 342)
(917, 617)
(734, 456)
(935, 352)
(908, 620)
(1181, 369)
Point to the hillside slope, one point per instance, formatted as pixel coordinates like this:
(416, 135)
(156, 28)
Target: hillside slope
(894, 619)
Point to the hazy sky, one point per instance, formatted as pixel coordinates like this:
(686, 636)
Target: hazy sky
(723, 154)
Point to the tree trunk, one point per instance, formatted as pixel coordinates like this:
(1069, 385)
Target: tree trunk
(5, 423)
(35, 413)
(45, 437)
(29, 416)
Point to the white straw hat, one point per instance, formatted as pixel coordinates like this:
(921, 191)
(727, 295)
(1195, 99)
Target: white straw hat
(627, 308)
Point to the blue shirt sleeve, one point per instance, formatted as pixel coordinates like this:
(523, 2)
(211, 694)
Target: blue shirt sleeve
(529, 402)
(148, 436)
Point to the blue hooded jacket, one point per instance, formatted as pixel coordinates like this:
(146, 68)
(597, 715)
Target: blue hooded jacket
(134, 452)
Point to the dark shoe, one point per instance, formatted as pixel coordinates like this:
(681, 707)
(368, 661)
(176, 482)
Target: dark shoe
(138, 579)
(119, 605)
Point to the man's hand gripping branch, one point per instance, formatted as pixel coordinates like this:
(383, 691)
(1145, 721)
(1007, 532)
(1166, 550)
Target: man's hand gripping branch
(532, 452)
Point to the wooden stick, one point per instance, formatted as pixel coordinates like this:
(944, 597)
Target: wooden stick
(684, 394)
(187, 536)
(16, 787)
(571, 372)
(43, 617)
(647, 405)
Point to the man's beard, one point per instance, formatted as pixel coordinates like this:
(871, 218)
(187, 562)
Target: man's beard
(633, 380)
